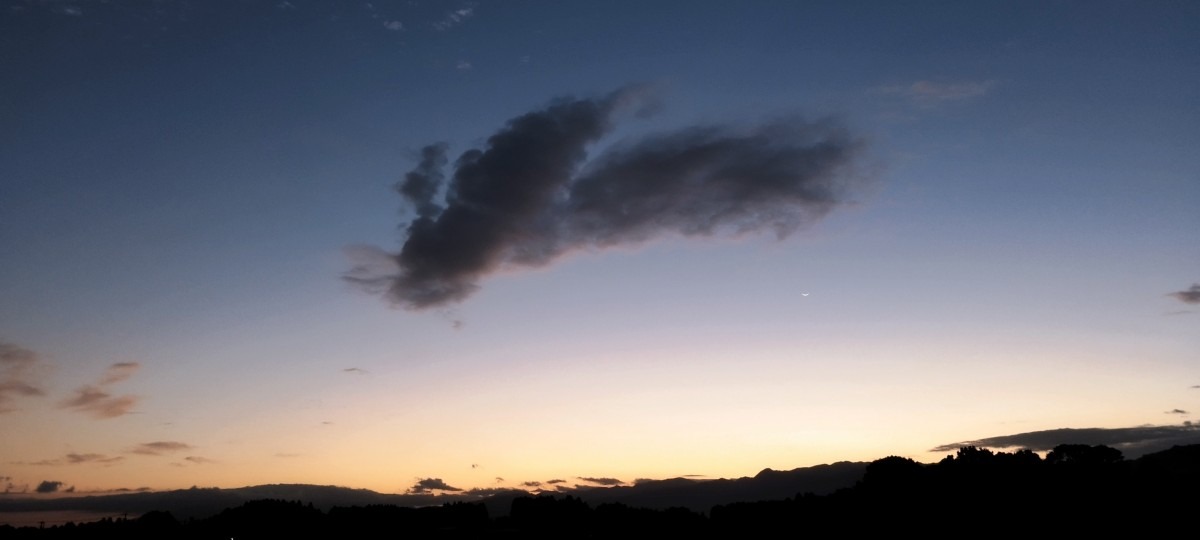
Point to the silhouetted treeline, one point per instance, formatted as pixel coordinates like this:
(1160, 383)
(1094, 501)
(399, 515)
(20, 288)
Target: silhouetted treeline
(1075, 490)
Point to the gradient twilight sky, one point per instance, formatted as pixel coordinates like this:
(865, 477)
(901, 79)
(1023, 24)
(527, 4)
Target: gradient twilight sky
(184, 185)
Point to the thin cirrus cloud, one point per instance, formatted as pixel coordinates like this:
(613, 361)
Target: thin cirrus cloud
(17, 375)
(158, 448)
(532, 195)
(454, 18)
(80, 459)
(1188, 296)
(119, 372)
(95, 399)
(931, 93)
(1133, 441)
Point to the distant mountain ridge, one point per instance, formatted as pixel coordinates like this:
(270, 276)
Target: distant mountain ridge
(696, 495)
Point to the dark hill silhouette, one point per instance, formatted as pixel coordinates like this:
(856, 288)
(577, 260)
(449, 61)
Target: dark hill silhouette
(701, 495)
(1077, 490)
(698, 495)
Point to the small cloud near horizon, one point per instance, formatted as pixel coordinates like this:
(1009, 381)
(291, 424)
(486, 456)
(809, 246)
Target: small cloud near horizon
(76, 459)
(1188, 296)
(601, 481)
(48, 486)
(428, 485)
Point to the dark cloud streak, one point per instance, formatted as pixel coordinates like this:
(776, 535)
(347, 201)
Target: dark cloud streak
(1133, 441)
(1189, 296)
(158, 448)
(602, 481)
(531, 195)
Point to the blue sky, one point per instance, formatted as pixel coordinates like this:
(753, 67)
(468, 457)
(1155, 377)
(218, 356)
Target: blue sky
(182, 183)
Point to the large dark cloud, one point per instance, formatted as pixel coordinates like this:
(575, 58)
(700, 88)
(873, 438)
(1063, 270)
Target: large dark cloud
(1132, 441)
(17, 366)
(1188, 296)
(531, 195)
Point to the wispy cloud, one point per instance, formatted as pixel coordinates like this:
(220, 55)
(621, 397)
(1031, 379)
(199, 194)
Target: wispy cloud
(394, 26)
(1177, 411)
(17, 374)
(1188, 296)
(94, 399)
(198, 460)
(355, 371)
(930, 93)
(92, 458)
(100, 404)
(427, 485)
(79, 459)
(159, 448)
(454, 18)
(119, 372)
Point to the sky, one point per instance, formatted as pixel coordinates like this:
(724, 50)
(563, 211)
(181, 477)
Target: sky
(428, 246)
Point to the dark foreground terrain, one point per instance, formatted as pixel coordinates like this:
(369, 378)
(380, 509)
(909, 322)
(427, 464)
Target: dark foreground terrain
(1075, 490)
